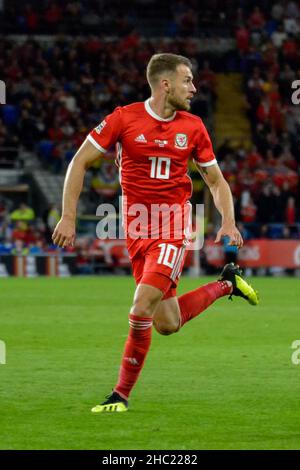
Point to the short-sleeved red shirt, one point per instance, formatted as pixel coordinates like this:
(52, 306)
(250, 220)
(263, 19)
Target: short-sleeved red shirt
(153, 153)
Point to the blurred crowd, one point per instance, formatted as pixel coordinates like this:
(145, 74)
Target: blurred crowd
(57, 92)
(118, 17)
(265, 181)
(24, 233)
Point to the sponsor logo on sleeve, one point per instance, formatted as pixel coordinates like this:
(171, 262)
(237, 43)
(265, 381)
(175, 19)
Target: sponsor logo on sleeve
(101, 126)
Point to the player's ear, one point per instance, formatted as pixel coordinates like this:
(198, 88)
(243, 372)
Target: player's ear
(166, 85)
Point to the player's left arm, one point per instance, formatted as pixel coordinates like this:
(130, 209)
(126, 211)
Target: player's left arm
(222, 196)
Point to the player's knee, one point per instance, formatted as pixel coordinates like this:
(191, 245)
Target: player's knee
(144, 306)
(164, 328)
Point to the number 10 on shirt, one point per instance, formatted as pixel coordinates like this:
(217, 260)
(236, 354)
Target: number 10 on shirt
(160, 168)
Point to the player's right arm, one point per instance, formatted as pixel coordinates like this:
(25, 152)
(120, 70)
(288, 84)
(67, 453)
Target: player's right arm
(64, 232)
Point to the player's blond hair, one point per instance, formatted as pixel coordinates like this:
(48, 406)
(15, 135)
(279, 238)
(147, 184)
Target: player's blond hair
(161, 63)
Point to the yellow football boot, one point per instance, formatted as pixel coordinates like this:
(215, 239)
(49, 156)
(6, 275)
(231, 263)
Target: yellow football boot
(241, 288)
(113, 403)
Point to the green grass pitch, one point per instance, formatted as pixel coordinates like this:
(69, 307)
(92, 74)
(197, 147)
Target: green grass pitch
(225, 381)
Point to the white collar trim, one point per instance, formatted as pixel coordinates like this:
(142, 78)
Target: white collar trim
(154, 115)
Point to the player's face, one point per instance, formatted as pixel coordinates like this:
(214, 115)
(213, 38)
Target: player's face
(182, 89)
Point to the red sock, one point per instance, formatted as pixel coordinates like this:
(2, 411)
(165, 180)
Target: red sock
(194, 302)
(136, 349)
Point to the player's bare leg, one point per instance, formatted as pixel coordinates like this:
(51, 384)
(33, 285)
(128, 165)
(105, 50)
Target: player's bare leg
(166, 319)
(145, 302)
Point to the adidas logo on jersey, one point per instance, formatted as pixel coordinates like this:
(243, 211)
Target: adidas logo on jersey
(140, 138)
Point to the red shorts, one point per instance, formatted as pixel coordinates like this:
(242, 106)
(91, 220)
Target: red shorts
(158, 263)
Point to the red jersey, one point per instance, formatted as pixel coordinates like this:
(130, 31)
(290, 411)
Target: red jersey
(153, 152)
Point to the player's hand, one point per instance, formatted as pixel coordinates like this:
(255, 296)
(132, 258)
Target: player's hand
(230, 230)
(64, 233)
